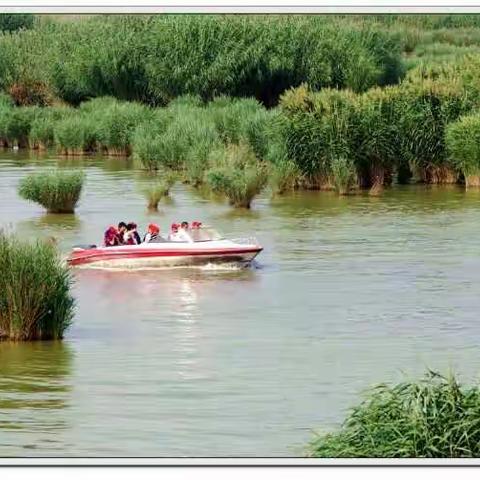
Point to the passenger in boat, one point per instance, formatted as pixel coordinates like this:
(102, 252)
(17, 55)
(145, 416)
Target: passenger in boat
(153, 234)
(172, 236)
(182, 234)
(121, 231)
(131, 235)
(195, 231)
(111, 239)
(179, 233)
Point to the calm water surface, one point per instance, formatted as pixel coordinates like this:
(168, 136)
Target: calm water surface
(347, 293)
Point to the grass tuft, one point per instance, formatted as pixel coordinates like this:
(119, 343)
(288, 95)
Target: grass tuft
(432, 418)
(35, 301)
(57, 191)
(158, 189)
(237, 174)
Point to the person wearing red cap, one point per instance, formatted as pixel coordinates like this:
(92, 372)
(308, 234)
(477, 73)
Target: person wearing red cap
(152, 234)
(111, 237)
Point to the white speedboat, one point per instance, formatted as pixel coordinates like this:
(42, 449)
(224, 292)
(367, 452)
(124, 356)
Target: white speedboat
(199, 246)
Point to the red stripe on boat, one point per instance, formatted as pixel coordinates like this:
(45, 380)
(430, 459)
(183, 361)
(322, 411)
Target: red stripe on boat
(94, 255)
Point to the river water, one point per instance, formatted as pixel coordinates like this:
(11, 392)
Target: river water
(349, 292)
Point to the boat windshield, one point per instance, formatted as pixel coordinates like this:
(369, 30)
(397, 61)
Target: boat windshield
(204, 234)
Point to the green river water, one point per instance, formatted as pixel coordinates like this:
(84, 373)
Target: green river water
(348, 292)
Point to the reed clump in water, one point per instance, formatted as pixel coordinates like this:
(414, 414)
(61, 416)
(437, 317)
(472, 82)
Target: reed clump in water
(43, 126)
(76, 135)
(115, 123)
(35, 300)
(432, 418)
(237, 174)
(56, 191)
(463, 145)
(158, 189)
(15, 125)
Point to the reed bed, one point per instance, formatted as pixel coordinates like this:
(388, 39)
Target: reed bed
(35, 300)
(56, 191)
(435, 417)
(155, 59)
(322, 102)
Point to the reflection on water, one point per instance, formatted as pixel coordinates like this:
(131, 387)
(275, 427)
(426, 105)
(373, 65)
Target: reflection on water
(34, 391)
(185, 311)
(57, 222)
(210, 361)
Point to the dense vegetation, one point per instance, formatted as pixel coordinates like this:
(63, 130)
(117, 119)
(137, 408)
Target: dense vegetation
(432, 418)
(10, 22)
(236, 103)
(57, 191)
(35, 303)
(157, 58)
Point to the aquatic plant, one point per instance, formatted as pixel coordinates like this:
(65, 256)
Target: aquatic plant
(463, 145)
(158, 189)
(15, 124)
(57, 191)
(42, 133)
(435, 417)
(155, 59)
(237, 174)
(284, 176)
(43, 126)
(116, 125)
(180, 141)
(76, 135)
(316, 130)
(343, 174)
(35, 300)
(374, 136)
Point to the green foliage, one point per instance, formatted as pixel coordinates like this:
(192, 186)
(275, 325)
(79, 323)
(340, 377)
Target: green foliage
(57, 191)
(427, 109)
(463, 145)
(15, 124)
(284, 176)
(316, 128)
(237, 174)
(374, 136)
(76, 134)
(157, 58)
(179, 137)
(343, 174)
(43, 126)
(380, 132)
(433, 418)
(35, 300)
(158, 189)
(10, 22)
(116, 126)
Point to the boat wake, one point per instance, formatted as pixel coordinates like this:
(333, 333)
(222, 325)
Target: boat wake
(208, 267)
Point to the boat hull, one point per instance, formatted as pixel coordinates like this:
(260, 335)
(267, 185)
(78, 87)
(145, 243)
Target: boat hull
(137, 257)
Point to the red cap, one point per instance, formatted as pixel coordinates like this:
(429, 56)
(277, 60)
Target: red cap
(154, 228)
